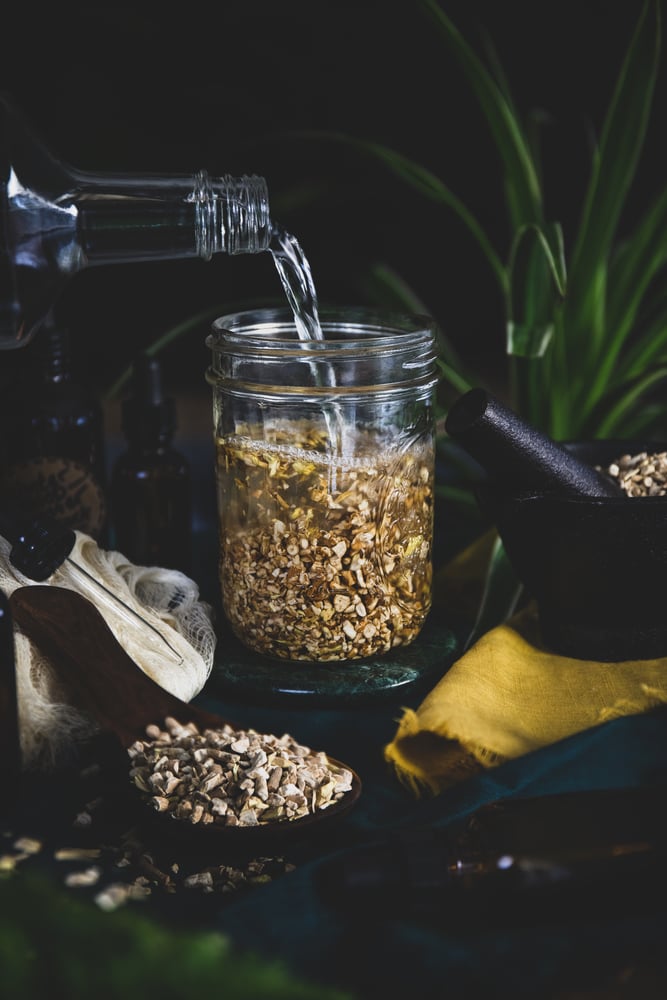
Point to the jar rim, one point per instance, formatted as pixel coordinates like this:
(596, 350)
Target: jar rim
(362, 349)
(366, 322)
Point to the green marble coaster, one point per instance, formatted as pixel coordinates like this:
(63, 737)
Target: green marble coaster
(239, 671)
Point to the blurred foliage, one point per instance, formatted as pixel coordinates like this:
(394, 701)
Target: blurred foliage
(54, 945)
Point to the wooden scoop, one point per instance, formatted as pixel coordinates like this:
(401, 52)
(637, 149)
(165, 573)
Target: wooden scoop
(105, 683)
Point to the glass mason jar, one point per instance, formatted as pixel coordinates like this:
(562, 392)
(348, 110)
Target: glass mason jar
(325, 454)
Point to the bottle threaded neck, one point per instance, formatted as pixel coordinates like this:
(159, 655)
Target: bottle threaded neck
(232, 214)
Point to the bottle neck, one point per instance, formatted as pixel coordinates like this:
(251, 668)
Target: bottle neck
(126, 219)
(232, 215)
(148, 416)
(148, 441)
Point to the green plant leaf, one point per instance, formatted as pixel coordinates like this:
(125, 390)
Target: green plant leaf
(613, 422)
(614, 167)
(425, 183)
(537, 287)
(453, 377)
(633, 270)
(650, 350)
(522, 184)
(501, 594)
(528, 340)
(455, 494)
(646, 421)
(634, 266)
(384, 285)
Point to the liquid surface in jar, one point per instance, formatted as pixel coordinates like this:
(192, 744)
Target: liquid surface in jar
(324, 557)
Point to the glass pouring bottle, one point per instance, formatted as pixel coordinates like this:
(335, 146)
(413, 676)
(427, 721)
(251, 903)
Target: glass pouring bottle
(56, 220)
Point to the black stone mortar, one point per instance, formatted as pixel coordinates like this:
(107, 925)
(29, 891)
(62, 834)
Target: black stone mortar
(596, 566)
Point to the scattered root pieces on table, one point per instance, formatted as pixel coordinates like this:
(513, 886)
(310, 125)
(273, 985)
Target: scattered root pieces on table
(129, 871)
(232, 777)
(641, 475)
(220, 879)
(20, 849)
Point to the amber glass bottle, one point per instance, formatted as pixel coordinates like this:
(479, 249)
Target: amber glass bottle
(151, 481)
(53, 438)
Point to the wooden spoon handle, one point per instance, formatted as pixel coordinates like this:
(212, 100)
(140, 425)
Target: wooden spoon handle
(10, 747)
(97, 674)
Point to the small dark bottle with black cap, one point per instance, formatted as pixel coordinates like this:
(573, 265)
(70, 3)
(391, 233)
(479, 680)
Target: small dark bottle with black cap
(53, 439)
(151, 481)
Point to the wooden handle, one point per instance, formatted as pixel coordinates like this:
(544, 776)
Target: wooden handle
(10, 747)
(98, 676)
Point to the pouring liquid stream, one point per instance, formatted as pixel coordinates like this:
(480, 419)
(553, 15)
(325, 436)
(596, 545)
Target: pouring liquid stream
(297, 281)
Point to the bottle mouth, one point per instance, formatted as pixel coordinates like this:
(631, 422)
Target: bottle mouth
(232, 214)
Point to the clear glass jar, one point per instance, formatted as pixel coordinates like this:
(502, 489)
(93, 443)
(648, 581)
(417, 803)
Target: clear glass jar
(325, 454)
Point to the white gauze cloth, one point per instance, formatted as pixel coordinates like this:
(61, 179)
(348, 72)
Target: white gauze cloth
(164, 598)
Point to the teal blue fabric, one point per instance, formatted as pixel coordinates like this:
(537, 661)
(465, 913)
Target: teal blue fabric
(393, 955)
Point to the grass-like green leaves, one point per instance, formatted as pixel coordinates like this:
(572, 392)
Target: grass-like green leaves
(586, 331)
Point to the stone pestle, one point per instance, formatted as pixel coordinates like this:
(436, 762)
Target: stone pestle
(517, 456)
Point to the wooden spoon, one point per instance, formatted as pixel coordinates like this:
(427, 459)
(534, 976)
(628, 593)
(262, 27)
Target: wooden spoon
(10, 749)
(106, 684)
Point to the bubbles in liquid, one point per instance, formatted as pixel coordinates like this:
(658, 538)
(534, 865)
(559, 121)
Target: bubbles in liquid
(371, 451)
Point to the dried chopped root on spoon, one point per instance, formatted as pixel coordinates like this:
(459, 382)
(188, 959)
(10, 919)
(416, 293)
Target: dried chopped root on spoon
(233, 777)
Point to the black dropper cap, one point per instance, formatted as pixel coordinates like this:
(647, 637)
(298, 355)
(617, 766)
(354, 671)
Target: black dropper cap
(516, 455)
(147, 415)
(39, 545)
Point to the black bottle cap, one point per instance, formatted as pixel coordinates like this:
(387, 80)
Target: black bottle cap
(39, 545)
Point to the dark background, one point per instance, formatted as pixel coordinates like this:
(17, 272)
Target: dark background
(225, 86)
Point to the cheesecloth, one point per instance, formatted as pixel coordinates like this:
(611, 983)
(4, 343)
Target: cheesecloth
(166, 599)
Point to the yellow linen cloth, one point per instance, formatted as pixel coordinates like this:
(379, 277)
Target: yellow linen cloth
(509, 695)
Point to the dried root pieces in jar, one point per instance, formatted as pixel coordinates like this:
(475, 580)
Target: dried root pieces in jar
(322, 561)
